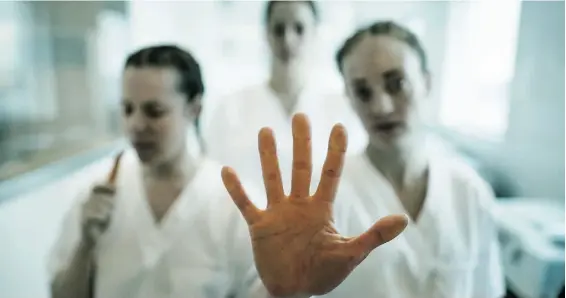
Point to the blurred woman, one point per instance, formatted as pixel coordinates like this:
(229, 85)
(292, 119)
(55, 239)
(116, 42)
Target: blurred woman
(449, 248)
(161, 223)
(293, 86)
(134, 234)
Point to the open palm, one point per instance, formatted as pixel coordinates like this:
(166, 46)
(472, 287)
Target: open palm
(296, 248)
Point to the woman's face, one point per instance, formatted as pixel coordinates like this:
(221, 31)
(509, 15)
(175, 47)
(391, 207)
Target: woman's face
(156, 113)
(387, 88)
(291, 30)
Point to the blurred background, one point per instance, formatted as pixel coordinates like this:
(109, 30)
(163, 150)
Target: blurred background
(498, 70)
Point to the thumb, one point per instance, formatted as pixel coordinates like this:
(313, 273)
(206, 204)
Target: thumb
(383, 231)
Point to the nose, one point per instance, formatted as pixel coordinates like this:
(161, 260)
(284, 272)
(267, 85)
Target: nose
(289, 38)
(382, 104)
(136, 122)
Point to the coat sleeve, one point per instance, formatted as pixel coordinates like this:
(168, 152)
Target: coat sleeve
(216, 141)
(245, 280)
(68, 237)
(488, 274)
(67, 240)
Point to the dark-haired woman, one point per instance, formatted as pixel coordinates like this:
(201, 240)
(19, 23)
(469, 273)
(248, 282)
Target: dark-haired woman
(161, 224)
(293, 86)
(449, 249)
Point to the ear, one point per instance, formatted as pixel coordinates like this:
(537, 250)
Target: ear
(315, 29)
(194, 108)
(267, 31)
(349, 96)
(428, 83)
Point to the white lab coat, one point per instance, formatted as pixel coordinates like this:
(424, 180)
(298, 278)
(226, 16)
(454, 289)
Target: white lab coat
(201, 249)
(451, 251)
(231, 132)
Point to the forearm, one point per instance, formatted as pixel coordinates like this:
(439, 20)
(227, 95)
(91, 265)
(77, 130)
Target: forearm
(74, 281)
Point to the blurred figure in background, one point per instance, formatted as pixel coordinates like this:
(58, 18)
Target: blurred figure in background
(156, 227)
(449, 248)
(231, 132)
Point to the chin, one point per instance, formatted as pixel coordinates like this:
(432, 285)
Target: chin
(283, 59)
(395, 143)
(287, 58)
(145, 158)
(383, 145)
(388, 143)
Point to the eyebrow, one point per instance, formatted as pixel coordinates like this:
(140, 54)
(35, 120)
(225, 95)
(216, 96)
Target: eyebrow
(387, 75)
(393, 73)
(152, 101)
(359, 81)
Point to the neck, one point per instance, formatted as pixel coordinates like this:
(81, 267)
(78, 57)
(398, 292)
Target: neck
(181, 167)
(288, 78)
(401, 167)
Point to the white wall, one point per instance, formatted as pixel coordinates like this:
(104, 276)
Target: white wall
(29, 225)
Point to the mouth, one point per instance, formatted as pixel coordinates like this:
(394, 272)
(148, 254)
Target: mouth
(144, 149)
(285, 54)
(390, 128)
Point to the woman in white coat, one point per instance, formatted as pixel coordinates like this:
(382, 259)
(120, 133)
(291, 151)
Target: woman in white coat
(450, 247)
(161, 224)
(293, 86)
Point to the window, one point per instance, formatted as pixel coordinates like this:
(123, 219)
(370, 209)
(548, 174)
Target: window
(479, 67)
(54, 107)
(9, 58)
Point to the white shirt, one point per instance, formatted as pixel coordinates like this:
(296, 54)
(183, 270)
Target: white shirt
(450, 251)
(231, 134)
(201, 248)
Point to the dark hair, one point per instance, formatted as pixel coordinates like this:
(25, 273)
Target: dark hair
(171, 56)
(271, 4)
(388, 28)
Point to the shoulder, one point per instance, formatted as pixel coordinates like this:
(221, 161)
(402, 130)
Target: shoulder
(467, 183)
(243, 95)
(224, 225)
(82, 182)
(355, 165)
(97, 173)
(230, 108)
(356, 169)
(218, 200)
(348, 199)
(464, 174)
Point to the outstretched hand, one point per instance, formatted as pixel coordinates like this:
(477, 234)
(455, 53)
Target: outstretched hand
(297, 250)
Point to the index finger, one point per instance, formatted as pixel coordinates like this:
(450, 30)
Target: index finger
(114, 172)
(236, 190)
(333, 164)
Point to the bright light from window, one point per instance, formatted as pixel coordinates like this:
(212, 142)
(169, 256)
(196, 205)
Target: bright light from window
(479, 67)
(493, 35)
